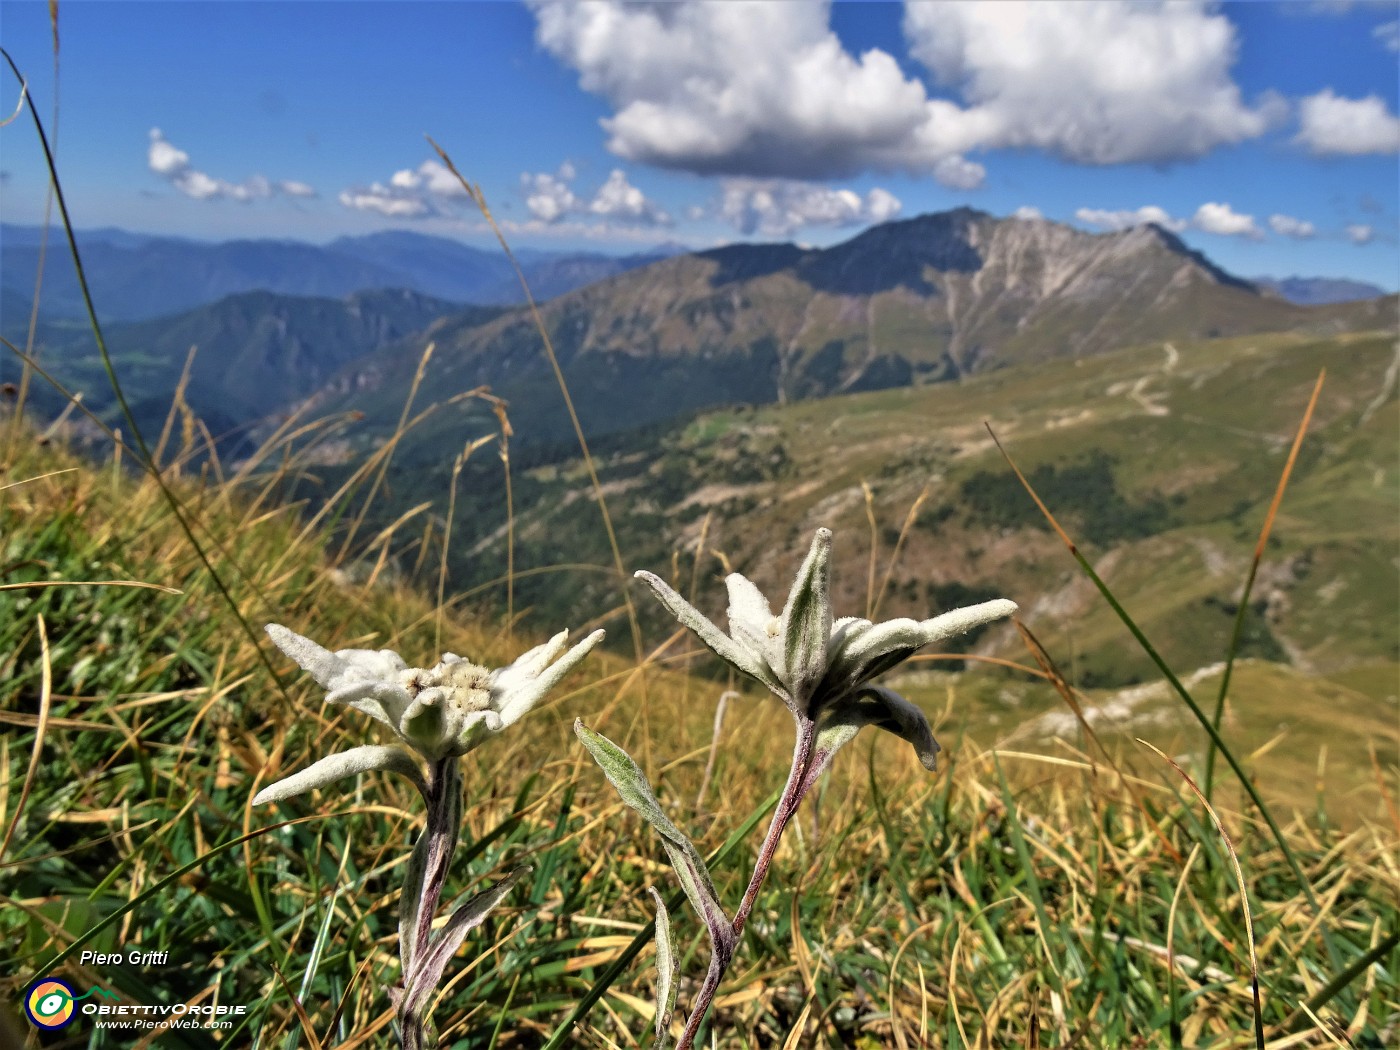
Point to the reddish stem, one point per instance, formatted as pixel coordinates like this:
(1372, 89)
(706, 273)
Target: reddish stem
(798, 783)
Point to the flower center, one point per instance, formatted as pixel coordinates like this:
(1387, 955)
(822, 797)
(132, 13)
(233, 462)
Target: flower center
(468, 685)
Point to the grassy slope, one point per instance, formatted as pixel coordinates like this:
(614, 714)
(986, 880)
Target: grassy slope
(254, 353)
(1161, 464)
(934, 909)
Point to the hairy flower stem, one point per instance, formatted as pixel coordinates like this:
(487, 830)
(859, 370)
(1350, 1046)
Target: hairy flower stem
(800, 780)
(433, 852)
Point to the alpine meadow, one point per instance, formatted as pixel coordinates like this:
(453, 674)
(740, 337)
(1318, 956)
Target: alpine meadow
(839, 611)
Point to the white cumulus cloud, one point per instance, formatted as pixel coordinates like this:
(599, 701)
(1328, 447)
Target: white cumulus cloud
(1223, 220)
(173, 164)
(1360, 234)
(761, 89)
(618, 199)
(550, 198)
(881, 205)
(1329, 123)
(431, 177)
(165, 159)
(751, 89)
(410, 193)
(1388, 33)
(1211, 217)
(1027, 212)
(385, 200)
(959, 173)
(1123, 220)
(1288, 226)
(779, 207)
(1094, 81)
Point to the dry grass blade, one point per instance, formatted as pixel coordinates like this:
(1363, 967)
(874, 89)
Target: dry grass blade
(306, 1027)
(724, 699)
(1066, 691)
(178, 405)
(45, 698)
(90, 583)
(479, 199)
(457, 465)
(506, 431)
(1239, 880)
(909, 520)
(869, 495)
(1175, 1034)
(1237, 631)
(390, 445)
(38, 477)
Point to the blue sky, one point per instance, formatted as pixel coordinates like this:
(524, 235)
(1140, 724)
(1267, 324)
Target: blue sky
(1265, 134)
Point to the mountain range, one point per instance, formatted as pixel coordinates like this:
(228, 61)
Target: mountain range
(141, 277)
(1318, 291)
(927, 300)
(1158, 460)
(248, 354)
(909, 303)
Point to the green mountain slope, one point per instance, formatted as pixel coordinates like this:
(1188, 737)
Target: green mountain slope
(906, 303)
(1159, 460)
(254, 353)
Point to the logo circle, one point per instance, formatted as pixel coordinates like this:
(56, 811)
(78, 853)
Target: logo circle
(49, 1004)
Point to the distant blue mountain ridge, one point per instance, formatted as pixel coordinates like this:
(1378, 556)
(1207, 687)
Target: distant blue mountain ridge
(138, 276)
(1318, 291)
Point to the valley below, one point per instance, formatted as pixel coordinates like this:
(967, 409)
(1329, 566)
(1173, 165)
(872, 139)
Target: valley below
(735, 400)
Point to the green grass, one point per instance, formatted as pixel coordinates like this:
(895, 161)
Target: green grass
(1028, 884)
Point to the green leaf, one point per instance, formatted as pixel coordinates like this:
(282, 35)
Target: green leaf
(667, 969)
(631, 783)
(427, 975)
(613, 970)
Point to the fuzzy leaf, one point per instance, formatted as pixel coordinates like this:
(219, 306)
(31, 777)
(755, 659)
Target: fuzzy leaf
(523, 688)
(726, 648)
(865, 650)
(322, 664)
(410, 901)
(345, 764)
(960, 620)
(631, 783)
(877, 706)
(428, 974)
(750, 620)
(667, 969)
(806, 622)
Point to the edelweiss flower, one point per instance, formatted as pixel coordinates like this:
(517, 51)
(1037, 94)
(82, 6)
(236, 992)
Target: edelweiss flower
(819, 667)
(442, 712)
